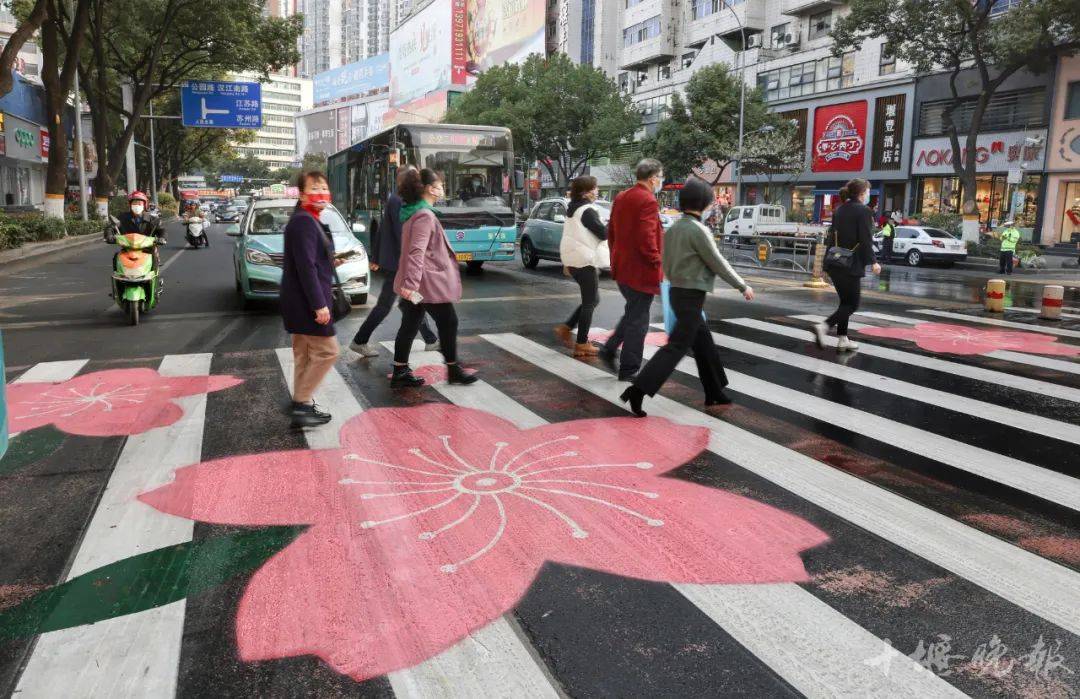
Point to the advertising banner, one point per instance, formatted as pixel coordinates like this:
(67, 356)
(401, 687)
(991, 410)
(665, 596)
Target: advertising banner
(352, 80)
(357, 123)
(375, 113)
(888, 132)
(420, 52)
(994, 152)
(316, 133)
(503, 31)
(344, 117)
(839, 143)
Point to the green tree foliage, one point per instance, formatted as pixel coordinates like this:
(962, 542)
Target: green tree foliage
(953, 36)
(704, 125)
(561, 114)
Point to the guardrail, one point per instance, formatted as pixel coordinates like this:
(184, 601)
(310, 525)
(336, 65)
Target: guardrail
(773, 252)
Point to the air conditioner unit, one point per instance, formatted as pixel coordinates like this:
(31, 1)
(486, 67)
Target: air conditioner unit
(753, 41)
(792, 42)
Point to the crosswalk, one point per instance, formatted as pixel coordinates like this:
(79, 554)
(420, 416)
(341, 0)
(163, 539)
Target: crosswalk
(795, 632)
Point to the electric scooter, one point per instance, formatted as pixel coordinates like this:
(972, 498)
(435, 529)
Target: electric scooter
(195, 231)
(136, 283)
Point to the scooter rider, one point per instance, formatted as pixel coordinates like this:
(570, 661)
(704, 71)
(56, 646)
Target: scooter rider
(135, 220)
(192, 210)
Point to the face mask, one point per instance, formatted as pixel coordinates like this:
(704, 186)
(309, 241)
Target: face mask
(318, 198)
(657, 187)
(865, 198)
(137, 209)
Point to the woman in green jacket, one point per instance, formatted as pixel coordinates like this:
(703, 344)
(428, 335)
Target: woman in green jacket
(691, 264)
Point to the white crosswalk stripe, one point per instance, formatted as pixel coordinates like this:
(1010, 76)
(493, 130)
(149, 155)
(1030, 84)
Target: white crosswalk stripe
(996, 322)
(812, 646)
(1037, 310)
(136, 655)
(1035, 584)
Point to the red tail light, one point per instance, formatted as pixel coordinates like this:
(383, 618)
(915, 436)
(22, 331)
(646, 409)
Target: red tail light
(938, 244)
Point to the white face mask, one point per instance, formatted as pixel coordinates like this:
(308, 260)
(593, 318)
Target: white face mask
(137, 209)
(659, 185)
(865, 198)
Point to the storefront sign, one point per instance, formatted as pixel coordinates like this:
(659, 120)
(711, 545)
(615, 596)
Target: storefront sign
(995, 152)
(888, 132)
(44, 140)
(839, 137)
(23, 139)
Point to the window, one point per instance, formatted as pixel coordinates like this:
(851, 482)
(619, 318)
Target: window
(837, 71)
(748, 212)
(1072, 101)
(649, 29)
(624, 81)
(663, 72)
(642, 77)
(820, 25)
(906, 233)
(543, 212)
(1007, 110)
(887, 63)
(687, 60)
(779, 35)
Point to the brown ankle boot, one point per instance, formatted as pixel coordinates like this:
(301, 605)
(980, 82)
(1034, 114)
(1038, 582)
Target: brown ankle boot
(563, 332)
(585, 349)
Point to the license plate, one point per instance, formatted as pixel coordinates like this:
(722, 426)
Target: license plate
(464, 257)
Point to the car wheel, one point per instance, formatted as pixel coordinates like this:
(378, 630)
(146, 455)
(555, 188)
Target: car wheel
(914, 257)
(358, 299)
(528, 254)
(474, 267)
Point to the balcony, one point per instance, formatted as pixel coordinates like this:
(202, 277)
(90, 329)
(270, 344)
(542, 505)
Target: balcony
(656, 50)
(725, 20)
(801, 8)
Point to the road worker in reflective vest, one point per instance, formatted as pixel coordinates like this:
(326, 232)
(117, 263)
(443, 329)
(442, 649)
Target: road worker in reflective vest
(1010, 236)
(888, 233)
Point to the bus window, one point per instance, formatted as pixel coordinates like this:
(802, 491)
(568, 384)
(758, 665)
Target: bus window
(472, 179)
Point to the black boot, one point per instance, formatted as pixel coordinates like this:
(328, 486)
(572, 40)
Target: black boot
(308, 415)
(718, 399)
(455, 374)
(404, 378)
(634, 396)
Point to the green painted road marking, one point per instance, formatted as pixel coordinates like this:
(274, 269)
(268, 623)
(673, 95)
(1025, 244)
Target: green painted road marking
(142, 582)
(29, 447)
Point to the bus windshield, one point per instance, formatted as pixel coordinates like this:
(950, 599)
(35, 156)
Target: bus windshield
(475, 179)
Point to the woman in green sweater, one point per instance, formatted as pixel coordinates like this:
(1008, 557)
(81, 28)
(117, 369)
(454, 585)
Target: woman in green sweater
(691, 264)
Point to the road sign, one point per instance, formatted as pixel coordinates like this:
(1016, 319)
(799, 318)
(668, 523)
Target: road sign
(230, 178)
(221, 105)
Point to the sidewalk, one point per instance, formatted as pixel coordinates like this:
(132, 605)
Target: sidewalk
(32, 250)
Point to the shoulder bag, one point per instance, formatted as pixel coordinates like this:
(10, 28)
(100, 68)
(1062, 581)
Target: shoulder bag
(838, 259)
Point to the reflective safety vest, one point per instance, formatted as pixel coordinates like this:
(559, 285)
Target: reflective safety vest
(887, 229)
(1009, 238)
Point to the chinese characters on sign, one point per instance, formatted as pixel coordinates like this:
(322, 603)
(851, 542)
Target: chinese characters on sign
(221, 104)
(839, 137)
(888, 132)
(995, 152)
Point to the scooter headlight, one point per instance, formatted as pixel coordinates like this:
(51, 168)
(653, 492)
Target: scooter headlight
(257, 257)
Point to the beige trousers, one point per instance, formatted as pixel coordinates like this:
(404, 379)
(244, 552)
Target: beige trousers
(313, 356)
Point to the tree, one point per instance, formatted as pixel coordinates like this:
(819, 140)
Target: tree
(776, 154)
(30, 18)
(154, 45)
(705, 124)
(561, 114)
(986, 36)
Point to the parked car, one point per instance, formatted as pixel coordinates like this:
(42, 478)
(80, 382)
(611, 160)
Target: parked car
(260, 246)
(766, 219)
(916, 244)
(541, 233)
(230, 214)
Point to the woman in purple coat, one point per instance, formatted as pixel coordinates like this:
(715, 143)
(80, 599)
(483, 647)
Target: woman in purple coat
(428, 279)
(306, 297)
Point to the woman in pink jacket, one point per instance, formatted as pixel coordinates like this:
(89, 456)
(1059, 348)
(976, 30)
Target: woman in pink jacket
(428, 279)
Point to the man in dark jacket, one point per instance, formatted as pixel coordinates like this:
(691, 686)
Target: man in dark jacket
(385, 255)
(635, 237)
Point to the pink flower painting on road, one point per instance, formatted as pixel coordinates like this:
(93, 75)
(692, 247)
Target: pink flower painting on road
(960, 339)
(107, 403)
(430, 522)
(655, 339)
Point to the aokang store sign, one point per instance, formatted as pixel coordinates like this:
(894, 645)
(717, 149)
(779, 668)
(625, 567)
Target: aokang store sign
(995, 152)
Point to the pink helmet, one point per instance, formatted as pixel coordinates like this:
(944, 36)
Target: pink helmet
(138, 196)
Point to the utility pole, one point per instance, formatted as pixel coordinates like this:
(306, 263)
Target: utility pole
(153, 159)
(129, 106)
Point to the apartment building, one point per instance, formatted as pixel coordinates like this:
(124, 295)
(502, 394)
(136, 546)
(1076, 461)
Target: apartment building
(283, 97)
(339, 32)
(29, 59)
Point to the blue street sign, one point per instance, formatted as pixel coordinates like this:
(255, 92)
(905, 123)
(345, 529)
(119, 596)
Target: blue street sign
(230, 178)
(221, 105)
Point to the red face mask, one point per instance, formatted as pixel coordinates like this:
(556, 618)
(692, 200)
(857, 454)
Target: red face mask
(313, 200)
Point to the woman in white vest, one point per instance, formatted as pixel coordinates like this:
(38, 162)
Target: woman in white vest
(582, 234)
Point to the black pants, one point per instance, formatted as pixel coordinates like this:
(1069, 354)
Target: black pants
(849, 288)
(588, 280)
(382, 309)
(690, 331)
(1005, 264)
(412, 315)
(886, 251)
(631, 331)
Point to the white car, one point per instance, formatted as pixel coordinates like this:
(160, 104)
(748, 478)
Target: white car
(917, 244)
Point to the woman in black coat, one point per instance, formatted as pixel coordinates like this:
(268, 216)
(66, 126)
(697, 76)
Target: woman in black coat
(307, 296)
(852, 228)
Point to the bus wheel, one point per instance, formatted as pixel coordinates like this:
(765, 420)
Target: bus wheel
(474, 267)
(528, 254)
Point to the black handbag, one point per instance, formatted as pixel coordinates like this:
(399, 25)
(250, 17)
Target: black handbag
(340, 305)
(838, 259)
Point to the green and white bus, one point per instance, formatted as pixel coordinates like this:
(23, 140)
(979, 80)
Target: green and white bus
(477, 165)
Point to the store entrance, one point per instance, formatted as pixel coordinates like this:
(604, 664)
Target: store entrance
(1070, 220)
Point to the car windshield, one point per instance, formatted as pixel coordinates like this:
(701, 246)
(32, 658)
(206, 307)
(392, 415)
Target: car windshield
(938, 233)
(271, 220)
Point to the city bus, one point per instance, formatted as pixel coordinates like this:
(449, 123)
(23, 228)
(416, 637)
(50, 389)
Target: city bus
(477, 166)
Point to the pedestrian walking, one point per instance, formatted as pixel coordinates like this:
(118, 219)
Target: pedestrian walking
(385, 254)
(428, 279)
(636, 239)
(306, 297)
(1010, 236)
(582, 234)
(851, 251)
(691, 264)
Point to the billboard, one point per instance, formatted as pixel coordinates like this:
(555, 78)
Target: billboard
(839, 143)
(502, 31)
(316, 132)
(421, 51)
(352, 80)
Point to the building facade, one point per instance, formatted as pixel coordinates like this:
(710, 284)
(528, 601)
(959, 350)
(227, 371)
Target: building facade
(283, 97)
(339, 32)
(1060, 222)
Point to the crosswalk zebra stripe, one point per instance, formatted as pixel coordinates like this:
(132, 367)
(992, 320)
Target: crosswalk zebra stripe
(812, 646)
(137, 654)
(1036, 310)
(997, 322)
(1062, 365)
(52, 371)
(998, 378)
(1039, 586)
(493, 661)
(1035, 424)
(1025, 477)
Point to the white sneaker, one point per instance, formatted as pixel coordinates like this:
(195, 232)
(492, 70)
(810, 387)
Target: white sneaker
(843, 344)
(820, 330)
(365, 350)
(432, 346)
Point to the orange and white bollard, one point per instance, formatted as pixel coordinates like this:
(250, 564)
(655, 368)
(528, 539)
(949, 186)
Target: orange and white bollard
(1051, 302)
(995, 295)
